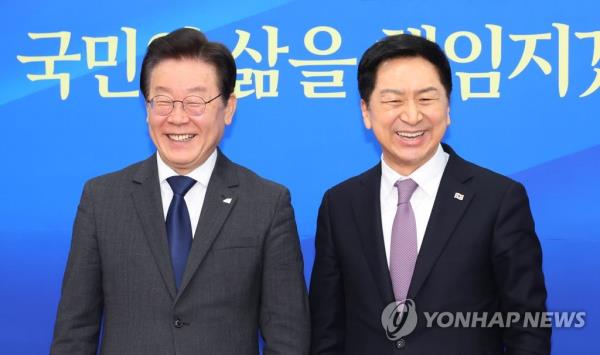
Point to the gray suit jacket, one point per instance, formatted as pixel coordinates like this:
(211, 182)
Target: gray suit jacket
(244, 271)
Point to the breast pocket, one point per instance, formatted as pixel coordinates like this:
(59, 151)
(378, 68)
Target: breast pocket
(235, 242)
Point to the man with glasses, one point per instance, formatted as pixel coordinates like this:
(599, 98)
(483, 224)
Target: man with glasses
(185, 252)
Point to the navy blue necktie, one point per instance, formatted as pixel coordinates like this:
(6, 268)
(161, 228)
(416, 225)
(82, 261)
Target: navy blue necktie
(179, 227)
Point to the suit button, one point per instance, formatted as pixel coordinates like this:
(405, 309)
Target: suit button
(178, 323)
(400, 344)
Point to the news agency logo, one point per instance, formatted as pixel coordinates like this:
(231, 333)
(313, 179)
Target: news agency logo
(399, 319)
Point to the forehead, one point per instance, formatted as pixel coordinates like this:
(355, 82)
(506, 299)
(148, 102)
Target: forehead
(183, 75)
(407, 73)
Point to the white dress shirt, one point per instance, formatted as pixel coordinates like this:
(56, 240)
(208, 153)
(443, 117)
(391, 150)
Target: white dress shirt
(428, 177)
(194, 198)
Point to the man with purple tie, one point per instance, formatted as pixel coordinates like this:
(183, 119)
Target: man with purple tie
(423, 231)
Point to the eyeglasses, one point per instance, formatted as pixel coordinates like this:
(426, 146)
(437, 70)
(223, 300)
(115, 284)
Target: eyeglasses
(162, 105)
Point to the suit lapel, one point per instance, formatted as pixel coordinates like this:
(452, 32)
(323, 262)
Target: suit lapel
(367, 213)
(148, 204)
(452, 199)
(220, 199)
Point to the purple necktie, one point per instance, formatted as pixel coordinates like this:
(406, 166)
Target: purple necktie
(403, 250)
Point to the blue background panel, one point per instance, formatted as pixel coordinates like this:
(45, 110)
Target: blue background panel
(549, 142)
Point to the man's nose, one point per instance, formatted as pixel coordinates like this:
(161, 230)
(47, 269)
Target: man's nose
(411, 113)
(178, 115)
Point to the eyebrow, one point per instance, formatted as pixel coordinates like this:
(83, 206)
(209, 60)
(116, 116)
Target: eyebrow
(192, 89)
(197, 88)
(427, 89)
(401, 92)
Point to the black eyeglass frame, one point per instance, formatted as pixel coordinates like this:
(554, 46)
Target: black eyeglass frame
(206, 102)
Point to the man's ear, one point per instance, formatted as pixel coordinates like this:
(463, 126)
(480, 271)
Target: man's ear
(364, 109)
(147, 112)
(230, 107)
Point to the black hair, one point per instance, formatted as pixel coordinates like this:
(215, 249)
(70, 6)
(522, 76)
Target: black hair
(399, 46)
(188, 43)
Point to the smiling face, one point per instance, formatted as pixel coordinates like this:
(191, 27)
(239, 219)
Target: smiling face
(185, 142)
(408, 112)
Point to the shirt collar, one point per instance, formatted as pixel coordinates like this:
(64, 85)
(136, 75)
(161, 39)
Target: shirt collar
(201, 174)
(427, 176)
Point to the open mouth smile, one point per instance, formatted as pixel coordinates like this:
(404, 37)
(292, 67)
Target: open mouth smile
(410, 135)
(181, 137)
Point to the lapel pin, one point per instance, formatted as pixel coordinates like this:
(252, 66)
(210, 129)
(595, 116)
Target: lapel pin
(459, 196)
(227, 200)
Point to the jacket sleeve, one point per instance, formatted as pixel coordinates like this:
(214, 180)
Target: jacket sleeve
(517, 263)
(284, 314)
(77, 326)
(326, 290)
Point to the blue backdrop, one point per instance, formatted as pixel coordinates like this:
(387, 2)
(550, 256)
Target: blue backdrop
(526, 104)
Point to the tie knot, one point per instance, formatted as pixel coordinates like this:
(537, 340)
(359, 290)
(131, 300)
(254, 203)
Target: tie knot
(405, 190)
(180, 184)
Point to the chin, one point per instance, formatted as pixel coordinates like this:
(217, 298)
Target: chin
(183, 164)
